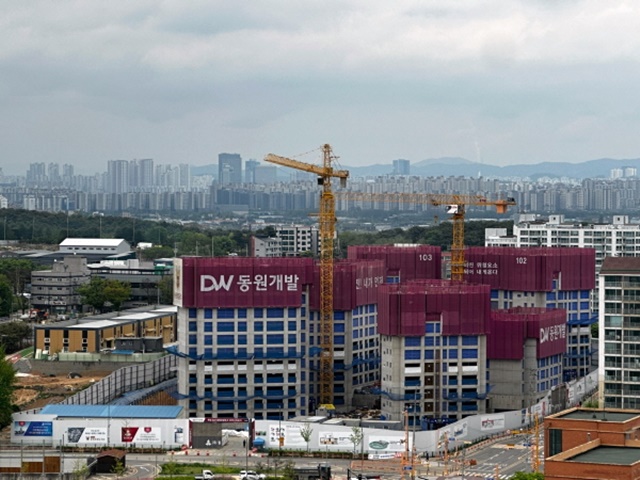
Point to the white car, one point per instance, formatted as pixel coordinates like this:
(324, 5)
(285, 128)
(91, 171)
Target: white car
(251, 475)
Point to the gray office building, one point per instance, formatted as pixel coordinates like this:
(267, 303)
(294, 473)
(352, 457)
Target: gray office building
(229, 168)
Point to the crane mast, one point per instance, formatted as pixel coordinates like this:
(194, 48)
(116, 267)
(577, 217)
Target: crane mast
(327, 230)
(456, 203)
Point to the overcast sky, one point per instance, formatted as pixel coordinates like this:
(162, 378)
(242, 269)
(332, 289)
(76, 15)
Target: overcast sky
(501, 81)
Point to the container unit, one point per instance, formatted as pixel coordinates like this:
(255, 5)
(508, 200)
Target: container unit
(402, 262)
(433, 348)
(543, 278)
(525, 352)
(356, 345)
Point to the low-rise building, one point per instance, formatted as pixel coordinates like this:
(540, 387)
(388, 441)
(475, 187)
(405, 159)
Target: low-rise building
(56, 291)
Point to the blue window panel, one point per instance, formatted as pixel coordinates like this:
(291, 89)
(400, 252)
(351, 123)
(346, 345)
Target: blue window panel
(584, 293)
(469, 340)
(452, 381)
(258, 312)
(303, 337)
(226, 313)
(258, 339)
(275, 326)
(412, 355)
(444, 354)
(469, 353)
(551, 305)
(242, 313)
(258, 326)
(303, 311)
(339, 315)
(208, 380)
(372, 308)
(193, 313)
(453, 353)
(242, 326)
(292, 326)
(193, 326)
(208, 326)
(372, 331)
(208, 313)
(275, 339)
(208, 352)
(303, 324)
(429, 355)
(226, 326)
(275, 312)
(339, 339)
(292, 338)
(412, 341)
(494, 294)
(226, 352)
(356, 322)
(242, 352)
(584, 316)
(338, 327)
(356, 334)
(193, 351)
(444, 341)
(292, 312)
(242, 339)
(193, 339)
(574, 305)
(453, 341)
(208, 339)
(225, 340)
(584, 305)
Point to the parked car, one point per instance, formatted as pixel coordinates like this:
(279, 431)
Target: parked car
(251, 475)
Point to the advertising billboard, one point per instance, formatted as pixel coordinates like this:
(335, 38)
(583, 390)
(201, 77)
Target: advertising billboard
(33, 429)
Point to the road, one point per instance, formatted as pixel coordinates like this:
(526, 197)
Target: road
(509, 454)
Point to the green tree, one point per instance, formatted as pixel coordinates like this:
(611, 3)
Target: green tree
(99, 291)
(356, 437)
(305, 433)
(166, 290)
(6, 297)
(80, 470)
(594, 330)
(119, 468)
(7, 386)
(92, 293)
(13, 335)
(158, 251)
(527, 476)
(116, 292)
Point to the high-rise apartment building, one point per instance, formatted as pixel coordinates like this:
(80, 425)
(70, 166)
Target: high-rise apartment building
(401, 167)
(229, 168)
(250, 171)
(619, 333)
(117, 178)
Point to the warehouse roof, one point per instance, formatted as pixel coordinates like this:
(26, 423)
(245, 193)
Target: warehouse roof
(112, 411)
(91, 242)
(620, 265)
(598, 415)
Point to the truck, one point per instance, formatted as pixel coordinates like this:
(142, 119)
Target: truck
(205, 475)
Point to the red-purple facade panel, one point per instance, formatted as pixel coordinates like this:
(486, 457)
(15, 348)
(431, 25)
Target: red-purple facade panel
(232, 282)
(464, 309)
(355, 283)
(510, 328)
(407, 262)
(531, 269)
(506, 341)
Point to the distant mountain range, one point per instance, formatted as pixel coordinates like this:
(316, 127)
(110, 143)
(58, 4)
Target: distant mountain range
(456, 166)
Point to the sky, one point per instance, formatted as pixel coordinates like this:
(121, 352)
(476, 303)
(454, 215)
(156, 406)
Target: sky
(497, 81)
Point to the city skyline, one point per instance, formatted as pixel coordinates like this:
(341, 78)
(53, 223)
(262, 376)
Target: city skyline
(497, 82)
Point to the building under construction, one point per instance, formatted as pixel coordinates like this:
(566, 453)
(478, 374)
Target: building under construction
(248, 331)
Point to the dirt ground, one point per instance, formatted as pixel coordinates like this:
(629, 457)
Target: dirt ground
(36, 391)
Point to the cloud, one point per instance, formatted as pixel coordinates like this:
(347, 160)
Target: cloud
(387, 80)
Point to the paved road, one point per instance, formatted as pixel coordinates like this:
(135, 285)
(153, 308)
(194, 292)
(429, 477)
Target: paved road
(509, 454)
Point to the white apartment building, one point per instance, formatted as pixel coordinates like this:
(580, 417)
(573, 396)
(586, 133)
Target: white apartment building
(289, 241)
(619, 333)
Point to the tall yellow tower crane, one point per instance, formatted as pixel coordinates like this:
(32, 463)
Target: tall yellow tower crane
(456, 204)
(327, 228)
